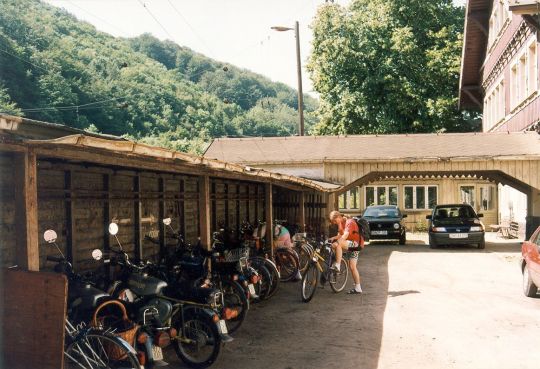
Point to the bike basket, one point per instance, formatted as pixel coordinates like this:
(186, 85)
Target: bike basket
(118, 324)
(236, 254)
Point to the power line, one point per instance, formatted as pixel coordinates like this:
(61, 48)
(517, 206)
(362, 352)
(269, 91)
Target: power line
(24, 60)
(98, 18)
(157, 21)
(192, 28)
(80, 107)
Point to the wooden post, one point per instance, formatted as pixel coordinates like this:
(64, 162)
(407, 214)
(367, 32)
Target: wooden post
(269, 216)
(70, 227)
(302, 212)
(26, 213)
(137, 215)
(161, 216)
(204, 211)
(107, 213)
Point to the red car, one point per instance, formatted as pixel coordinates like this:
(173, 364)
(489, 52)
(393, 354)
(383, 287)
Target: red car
(530, 264)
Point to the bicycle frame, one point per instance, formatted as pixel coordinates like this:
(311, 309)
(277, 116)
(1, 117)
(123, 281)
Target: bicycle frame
(317, 257)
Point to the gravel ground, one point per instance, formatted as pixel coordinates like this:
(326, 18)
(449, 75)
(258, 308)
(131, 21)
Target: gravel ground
(421, 308)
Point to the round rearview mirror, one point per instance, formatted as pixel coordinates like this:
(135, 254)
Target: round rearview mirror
(50, 236)
(97, 254)
(113, 228)
(167, 221)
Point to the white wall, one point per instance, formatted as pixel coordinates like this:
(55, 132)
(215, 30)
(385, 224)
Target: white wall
(512, 206)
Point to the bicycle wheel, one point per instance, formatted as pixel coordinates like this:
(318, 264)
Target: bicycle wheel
(338, 280)
(199, 342)
(272, 269)
(265, 283)
(310, 279)
(235, 298)
(97, 349)
(287, 264)
(305, 252)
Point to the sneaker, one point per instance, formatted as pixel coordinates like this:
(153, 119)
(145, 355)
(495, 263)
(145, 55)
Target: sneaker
(354, 292)
(334, 268)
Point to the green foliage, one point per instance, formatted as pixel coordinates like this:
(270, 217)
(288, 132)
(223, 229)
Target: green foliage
(6, 105)
(56, 68)
(388, 66)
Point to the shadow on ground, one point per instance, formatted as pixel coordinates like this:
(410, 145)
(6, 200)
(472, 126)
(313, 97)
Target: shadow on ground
(333, 330)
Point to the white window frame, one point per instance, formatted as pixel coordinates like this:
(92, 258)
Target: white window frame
(498, 20)
(426, 196)
(524, 74)
(387, 192)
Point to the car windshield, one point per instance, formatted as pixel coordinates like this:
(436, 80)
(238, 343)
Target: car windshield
(381, 213)
(454, 212)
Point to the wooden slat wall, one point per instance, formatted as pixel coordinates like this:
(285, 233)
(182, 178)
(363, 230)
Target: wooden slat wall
(233, 202)
(7, 211)
(92, 203)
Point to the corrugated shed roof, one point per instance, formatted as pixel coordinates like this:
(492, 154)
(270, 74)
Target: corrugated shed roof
(375, 147)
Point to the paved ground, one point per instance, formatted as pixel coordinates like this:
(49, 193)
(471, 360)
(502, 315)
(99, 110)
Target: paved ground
(421, 308)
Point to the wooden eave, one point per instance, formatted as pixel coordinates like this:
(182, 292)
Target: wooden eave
(473, 53)
(82, 148)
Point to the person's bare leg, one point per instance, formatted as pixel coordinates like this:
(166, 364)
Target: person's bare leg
(355, 274)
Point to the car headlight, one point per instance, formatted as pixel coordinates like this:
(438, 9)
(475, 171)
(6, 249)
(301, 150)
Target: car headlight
(476, 229)
(438, 229)
(396, 225)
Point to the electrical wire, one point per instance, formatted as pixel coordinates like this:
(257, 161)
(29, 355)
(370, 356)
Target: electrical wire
(96, 17)
(154, 17)
(78, 107)
(24, 60)
(192, 28)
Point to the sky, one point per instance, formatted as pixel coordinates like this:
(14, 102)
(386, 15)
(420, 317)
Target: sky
(236, 32)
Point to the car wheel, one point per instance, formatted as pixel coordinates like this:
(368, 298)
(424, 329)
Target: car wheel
(529, 288)
(482, 244)
(403, 239)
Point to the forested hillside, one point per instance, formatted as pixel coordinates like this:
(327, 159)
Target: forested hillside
(56, 68)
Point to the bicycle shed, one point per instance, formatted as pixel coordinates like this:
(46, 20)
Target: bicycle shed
(56, 177)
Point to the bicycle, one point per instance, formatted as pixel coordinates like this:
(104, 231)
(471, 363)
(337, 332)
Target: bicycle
(88, 347)
(319, 269)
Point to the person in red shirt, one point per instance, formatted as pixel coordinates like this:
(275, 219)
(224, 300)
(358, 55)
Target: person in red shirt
(348, 237)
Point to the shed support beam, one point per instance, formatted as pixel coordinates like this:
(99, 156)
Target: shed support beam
(26, 213)
(137, 214)
(269, 216)
(161, 216)
(70, 225)
(302, 212)
(204, 212)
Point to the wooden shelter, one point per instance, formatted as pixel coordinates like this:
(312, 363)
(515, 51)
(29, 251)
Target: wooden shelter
(77, 183)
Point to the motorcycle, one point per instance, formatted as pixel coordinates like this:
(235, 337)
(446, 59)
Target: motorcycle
(195, 329)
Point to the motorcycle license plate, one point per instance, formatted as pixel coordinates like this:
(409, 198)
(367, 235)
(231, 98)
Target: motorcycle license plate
(222, 327)
(251, 289)
(379, 233)
(157, 352)
(458, 235)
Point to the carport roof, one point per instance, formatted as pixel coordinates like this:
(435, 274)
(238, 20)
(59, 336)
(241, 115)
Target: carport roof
(317, 149)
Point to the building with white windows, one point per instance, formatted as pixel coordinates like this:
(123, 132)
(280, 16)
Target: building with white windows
(500, 77)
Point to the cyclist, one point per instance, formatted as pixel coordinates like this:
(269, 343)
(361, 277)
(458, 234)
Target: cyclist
(348, 237)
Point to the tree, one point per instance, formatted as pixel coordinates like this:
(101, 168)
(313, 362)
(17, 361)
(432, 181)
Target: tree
(388, 66)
